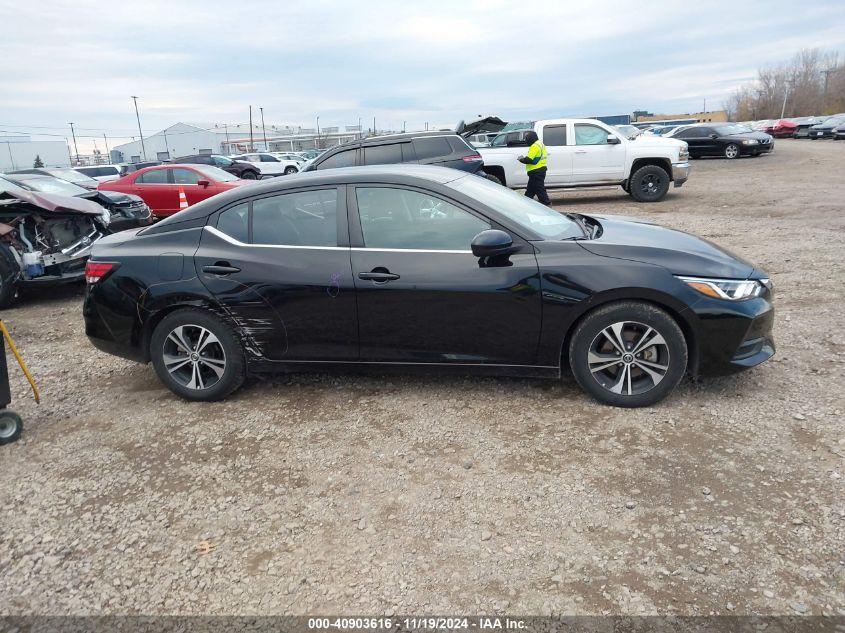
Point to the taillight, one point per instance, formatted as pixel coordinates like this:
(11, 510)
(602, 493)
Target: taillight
(471, 158)
(95, 272)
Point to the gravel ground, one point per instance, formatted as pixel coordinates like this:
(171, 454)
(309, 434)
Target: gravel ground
(348, 494)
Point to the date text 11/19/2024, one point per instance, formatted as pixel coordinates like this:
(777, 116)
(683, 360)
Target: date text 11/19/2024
(417, 623)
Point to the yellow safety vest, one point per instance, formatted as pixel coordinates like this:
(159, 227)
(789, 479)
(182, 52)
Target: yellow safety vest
(537, 150)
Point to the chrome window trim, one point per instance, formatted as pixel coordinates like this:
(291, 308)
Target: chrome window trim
(407, 250)
(228, 238)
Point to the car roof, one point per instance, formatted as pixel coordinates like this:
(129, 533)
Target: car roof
(402, 173)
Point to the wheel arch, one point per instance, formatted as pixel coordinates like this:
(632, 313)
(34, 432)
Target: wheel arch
(158, 315)
(498, 171)
(663, 163)
(671, 306)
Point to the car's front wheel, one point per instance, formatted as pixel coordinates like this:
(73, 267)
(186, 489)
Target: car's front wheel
(290, 170)
(250, 175)
(732, 151)
(197, 356)
(628, 354)
(649, 184)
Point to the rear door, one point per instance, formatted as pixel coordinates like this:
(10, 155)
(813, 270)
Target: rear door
(559, 169)
(423, 297)
(594, 159)
(156, 188)
(280, 266)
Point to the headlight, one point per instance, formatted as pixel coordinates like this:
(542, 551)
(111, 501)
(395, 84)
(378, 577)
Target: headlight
(105, 216)
(730, 289)
(683, 154)
(750, 141)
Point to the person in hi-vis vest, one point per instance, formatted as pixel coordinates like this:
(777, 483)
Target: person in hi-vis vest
(535, 165)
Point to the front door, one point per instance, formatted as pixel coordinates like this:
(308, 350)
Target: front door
(280, 266)
(594, 159)
(422, 295)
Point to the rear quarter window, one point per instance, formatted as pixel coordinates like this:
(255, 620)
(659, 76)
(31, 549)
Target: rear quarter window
(431, 147)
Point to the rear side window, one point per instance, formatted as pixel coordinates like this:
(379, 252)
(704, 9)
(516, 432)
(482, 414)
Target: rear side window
(554, 135)
(428, 147)
(460, 145)
(304, 218)
(153, 177)
(345, 158)
(384, 154)
(234, 222)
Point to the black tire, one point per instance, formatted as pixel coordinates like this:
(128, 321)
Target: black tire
(649, 183)
(196, 378)
(11, 426)
(250, 175)
(494, 178)
(290, 170)
(588, 344)
(732, 151)
(9, 273)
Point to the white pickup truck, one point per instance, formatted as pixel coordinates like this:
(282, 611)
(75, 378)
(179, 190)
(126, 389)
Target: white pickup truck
(588, 153)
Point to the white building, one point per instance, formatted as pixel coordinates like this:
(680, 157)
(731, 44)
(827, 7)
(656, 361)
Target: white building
(181, 139)
(19, 152)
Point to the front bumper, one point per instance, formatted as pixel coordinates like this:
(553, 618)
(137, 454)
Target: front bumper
(734, 336)
(680, 173)
(820, 133)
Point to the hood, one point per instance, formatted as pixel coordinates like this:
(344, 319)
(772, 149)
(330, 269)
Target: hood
(679, 252)
(485, 124)
(653, 140)
(51, 202)
(115, 197)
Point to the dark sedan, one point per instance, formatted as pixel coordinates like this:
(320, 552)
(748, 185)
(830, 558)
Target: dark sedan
(411, 266)
(730, 140)
(825, 128)
(240, 168)
(123, 211)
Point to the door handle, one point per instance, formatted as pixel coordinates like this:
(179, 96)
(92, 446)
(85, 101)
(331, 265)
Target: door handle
(378, 277)
(220, 268)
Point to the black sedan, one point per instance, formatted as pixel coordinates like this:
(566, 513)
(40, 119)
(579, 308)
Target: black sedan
(730, 140)
(123, 210)
(825, 128)
(240, 168)
(412, 266)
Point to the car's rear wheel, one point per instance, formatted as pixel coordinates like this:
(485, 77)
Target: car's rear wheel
(732, 151)
(628, 354)
(649, 183)
(197, 356)
(290, 170)
(250, 175)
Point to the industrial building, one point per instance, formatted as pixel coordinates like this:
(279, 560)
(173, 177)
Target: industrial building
(20, 152)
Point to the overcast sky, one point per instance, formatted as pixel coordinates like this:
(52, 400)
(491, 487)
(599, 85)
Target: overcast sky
(435, 61)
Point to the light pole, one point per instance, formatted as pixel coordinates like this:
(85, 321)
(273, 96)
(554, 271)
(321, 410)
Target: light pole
(360, 131)
(75, 149)
(251, 141)
(264, 130)
(108, 153)
(140, 133)
(317, 140)
(403, 126)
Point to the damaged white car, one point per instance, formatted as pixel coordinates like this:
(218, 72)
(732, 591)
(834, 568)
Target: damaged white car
(45, 239)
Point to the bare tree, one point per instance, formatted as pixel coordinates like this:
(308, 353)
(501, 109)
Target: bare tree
(811, 83)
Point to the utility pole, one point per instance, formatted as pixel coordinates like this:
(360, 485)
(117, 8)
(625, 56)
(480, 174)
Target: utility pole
(360, 129)
(140, 133)
(374, 126)
(251, 140)
(826, 74)
(166, 146)
(75, 149)
(264, 130)
(317, 140)
(403, 126)
(108, 153)
(783, 108)
(705, 106)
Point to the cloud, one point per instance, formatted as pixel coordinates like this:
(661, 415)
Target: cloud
(421, 63)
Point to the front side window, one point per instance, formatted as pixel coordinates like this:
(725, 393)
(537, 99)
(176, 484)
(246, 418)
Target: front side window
(215, 173)
(341, 159)
(405, 219)
(383, 154)
(185, 177)
(586, 134)
(554, 135)
(304, 218)
(153, 177)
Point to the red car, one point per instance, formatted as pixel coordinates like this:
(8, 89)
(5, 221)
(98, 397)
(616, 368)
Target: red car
(159, 185)
(782, 128)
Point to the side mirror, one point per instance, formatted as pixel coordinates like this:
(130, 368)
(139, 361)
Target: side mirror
(612, 139)
(203, 183)
(492, 242)
(714, 136)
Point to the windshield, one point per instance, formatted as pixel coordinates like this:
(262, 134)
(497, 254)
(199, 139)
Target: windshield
(735, 128)
(73, 176)
(215, 173)
(48, 184)
(834, 120)
(526, 212)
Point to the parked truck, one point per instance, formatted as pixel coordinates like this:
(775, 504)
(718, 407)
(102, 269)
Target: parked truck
(589, 153)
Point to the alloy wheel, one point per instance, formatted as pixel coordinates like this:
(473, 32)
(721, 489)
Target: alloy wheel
(650, 184)
(731, 151)
(194, 357)
(628, 358)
